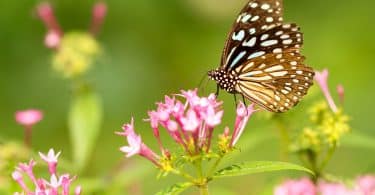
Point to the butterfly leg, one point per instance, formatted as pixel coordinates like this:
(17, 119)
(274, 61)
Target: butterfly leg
(235, 100)
(244, 102)
(217, 90)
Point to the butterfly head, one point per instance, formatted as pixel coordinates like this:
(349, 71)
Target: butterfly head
(225, 80)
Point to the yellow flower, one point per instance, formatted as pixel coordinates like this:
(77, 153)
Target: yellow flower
(76, 54)
(335, 126)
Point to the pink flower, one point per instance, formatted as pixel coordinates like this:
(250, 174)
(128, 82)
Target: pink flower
(326, 188)
(45, 13)
(136, 146)
(51, 159)
(78, 190)
(98, 14)
(28, 117)
(190, 122)
(243, 115)
(296, 187)
(341, 92)
(366, 184)
(28, 169)
(52, 39)
(53, 186)
(321, 78)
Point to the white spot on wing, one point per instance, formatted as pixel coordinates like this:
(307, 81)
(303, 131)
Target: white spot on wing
(250, 43)
(256, 54)
(265, 6)
(252, 31)
(238, 36)
(269, 43)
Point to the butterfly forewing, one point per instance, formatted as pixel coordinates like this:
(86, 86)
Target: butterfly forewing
(255, 18)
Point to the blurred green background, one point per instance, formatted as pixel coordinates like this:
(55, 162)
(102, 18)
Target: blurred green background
(153, 48)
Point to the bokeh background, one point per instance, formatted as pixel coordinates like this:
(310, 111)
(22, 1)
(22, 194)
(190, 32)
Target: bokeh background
(153, 48)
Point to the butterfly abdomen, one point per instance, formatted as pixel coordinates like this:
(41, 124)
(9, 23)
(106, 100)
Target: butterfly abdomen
(225, 80)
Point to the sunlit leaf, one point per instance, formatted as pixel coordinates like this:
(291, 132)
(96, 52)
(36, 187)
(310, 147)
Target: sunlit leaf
(84, 124)
(247, 168)
(175, 189)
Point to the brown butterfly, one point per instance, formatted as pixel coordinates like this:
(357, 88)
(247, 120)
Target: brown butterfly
(261, 58)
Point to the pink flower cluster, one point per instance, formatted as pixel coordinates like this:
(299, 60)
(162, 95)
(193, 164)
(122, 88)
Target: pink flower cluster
(364, 185)
(56, 184)
(190, 124)
(54, 31)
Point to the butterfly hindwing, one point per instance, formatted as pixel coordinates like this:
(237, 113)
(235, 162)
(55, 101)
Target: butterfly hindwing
(278, 82)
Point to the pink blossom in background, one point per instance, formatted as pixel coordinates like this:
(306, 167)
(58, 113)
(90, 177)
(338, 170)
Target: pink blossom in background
(302, 186)
(52, 39)
(329, 188)
(28, 117)
(341, 92)
(56, 184)
(322, 79)
(99, 12)
(366, 184)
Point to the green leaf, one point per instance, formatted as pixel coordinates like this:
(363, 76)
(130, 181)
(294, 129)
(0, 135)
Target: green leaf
(84, 124)
(359, 140)
(175, 189)
(247, 168)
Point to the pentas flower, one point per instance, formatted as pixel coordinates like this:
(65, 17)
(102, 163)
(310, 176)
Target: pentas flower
(51, 160)
(54, 185)
(364, 185)
(28, 117)
(190, 122)
(136, 146)
(303, 186)
(322, 79)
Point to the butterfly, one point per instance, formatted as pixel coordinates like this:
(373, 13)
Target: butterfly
(261, 59)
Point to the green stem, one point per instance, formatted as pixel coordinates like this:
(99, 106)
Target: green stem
(183, 174)
(328, 157)
(214, 166)
(203, 189)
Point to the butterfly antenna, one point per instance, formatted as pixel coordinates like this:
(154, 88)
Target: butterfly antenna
(202, 87)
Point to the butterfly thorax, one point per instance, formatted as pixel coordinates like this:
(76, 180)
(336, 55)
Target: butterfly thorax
(225, 80)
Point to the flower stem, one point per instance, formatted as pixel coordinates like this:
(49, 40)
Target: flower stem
(327, 157)
(183, 174)
(203, 189)
(214, 166)
(28, 135)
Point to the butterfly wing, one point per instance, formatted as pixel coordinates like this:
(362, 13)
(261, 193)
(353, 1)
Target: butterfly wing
(278, 82)
(257, 17)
